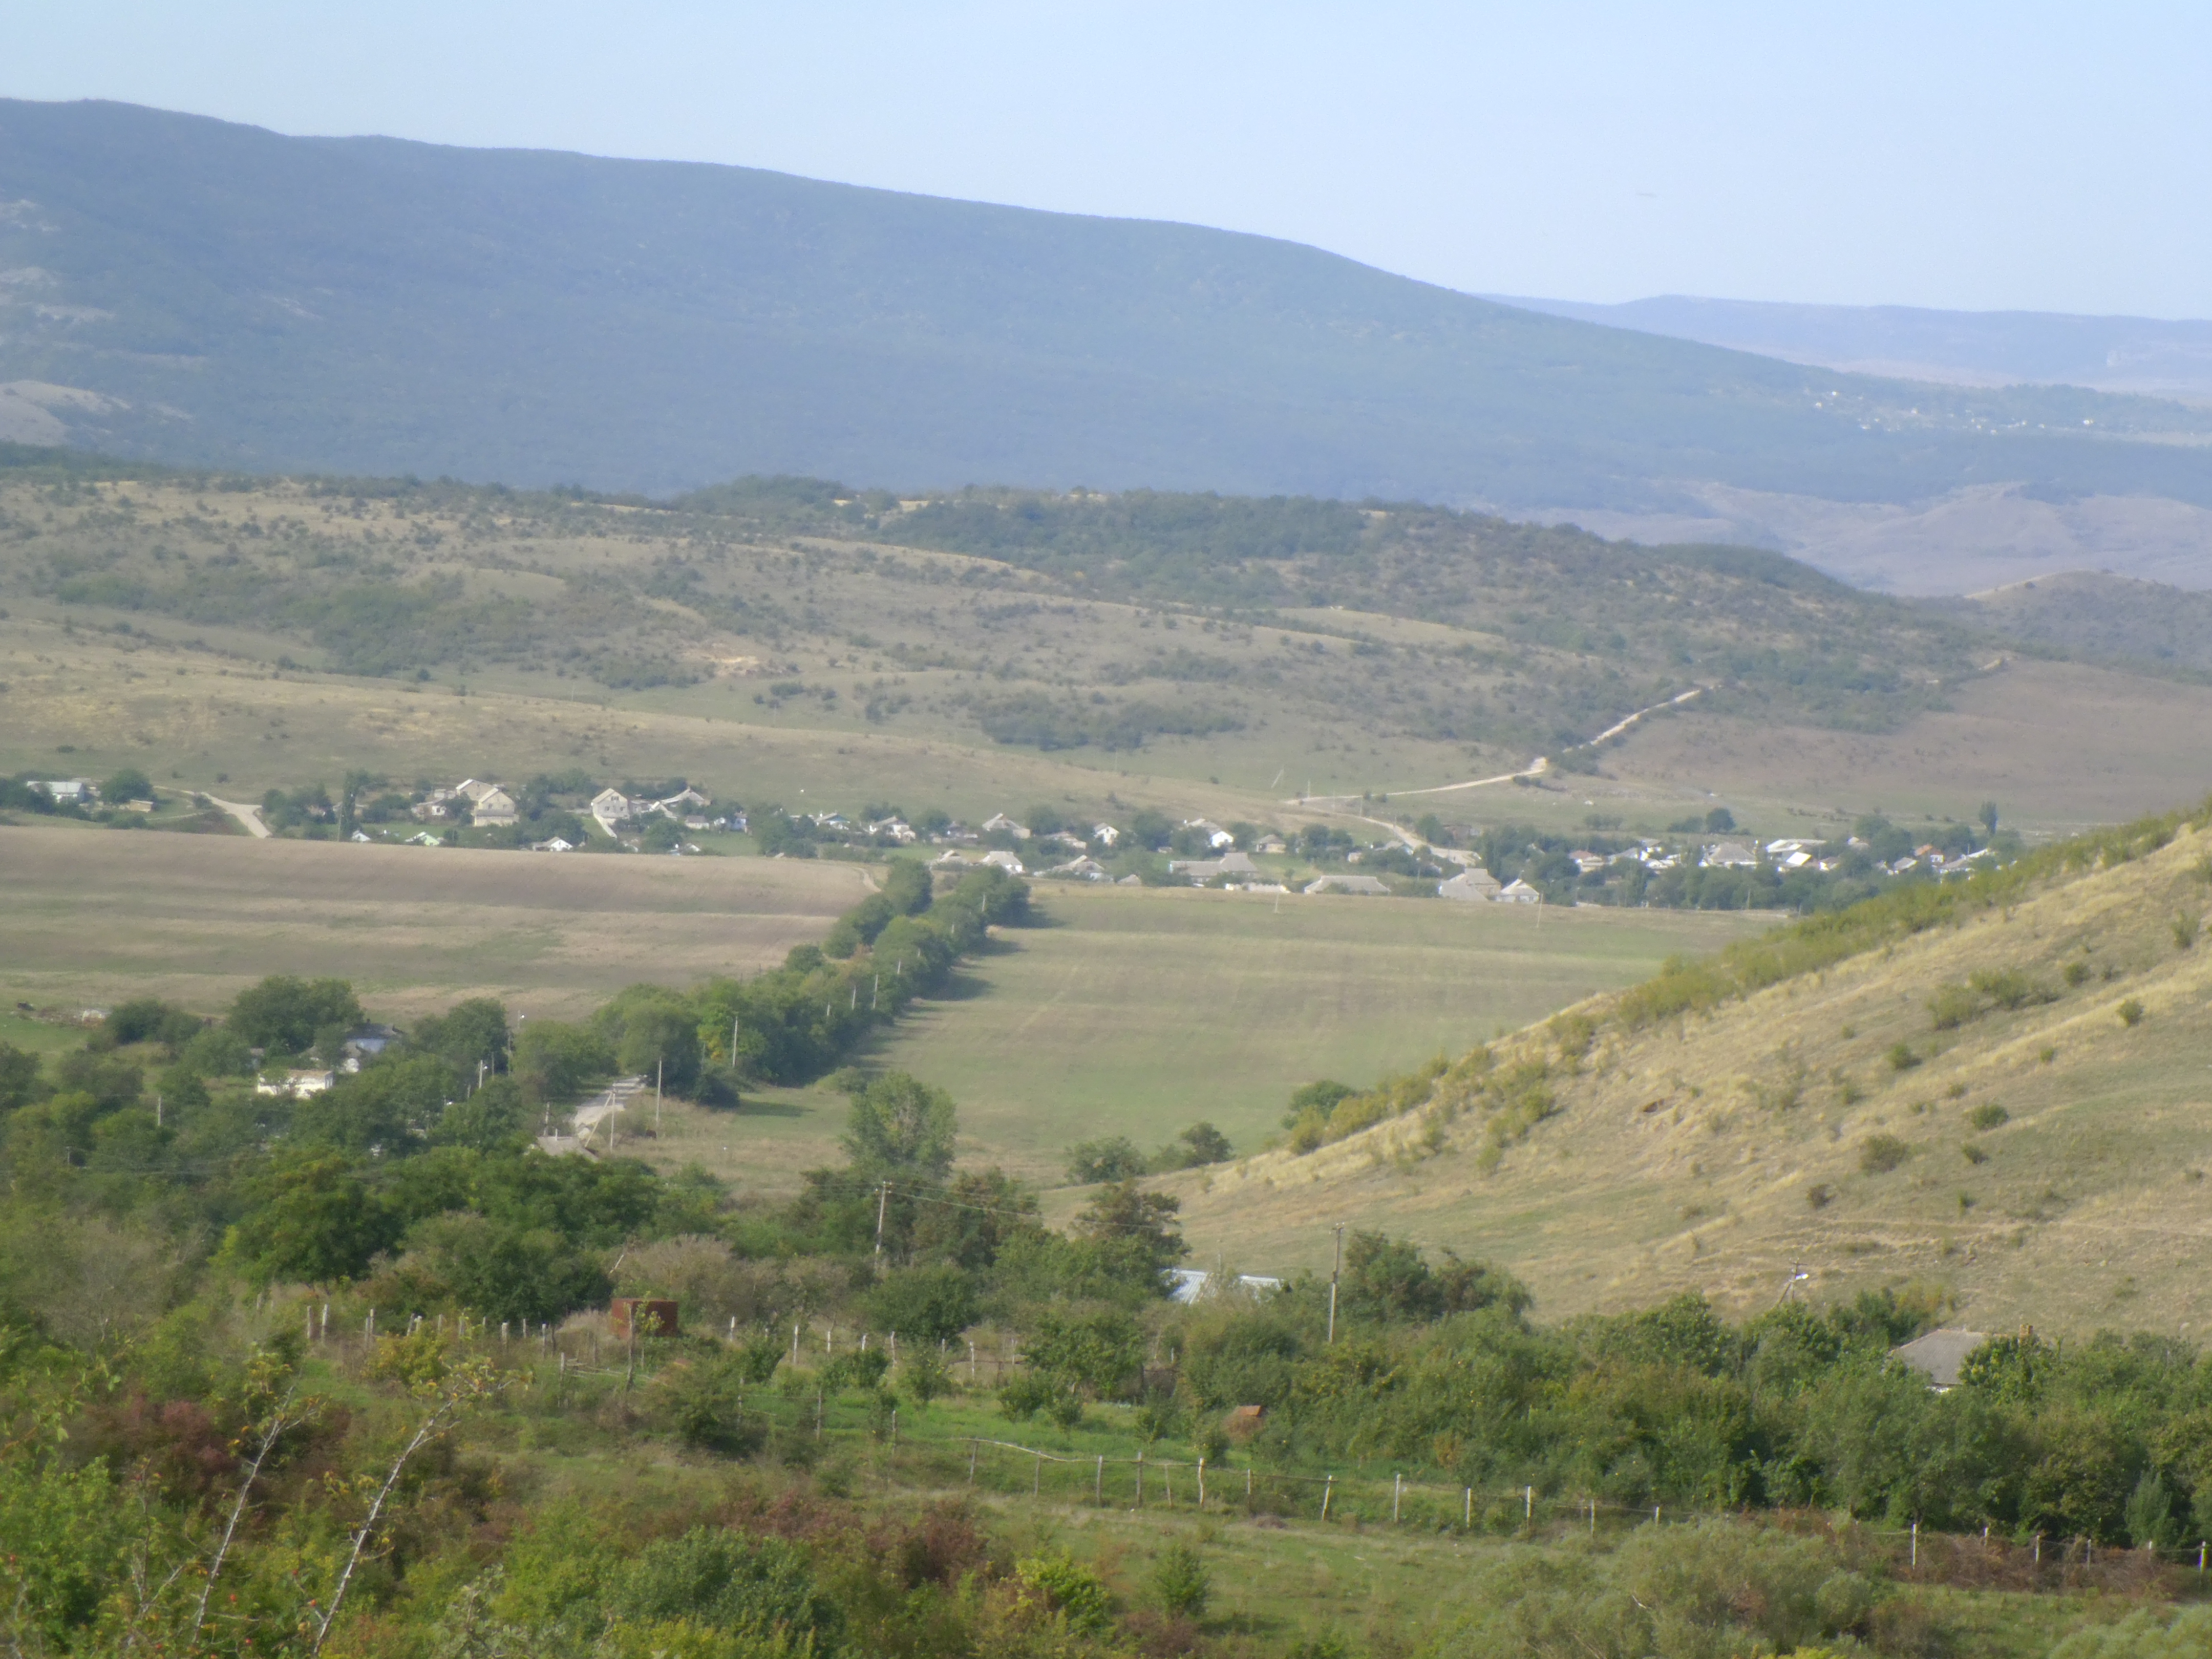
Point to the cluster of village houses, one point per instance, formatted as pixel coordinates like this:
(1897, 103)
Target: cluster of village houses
(481, 802)
(485, 803)
(1236, 871)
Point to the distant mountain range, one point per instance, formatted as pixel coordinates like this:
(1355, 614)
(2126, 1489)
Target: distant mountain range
(2138, 355)
(197, 292)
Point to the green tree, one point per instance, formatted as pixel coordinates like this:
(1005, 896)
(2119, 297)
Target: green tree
(899, 1127)
(925, 1305)
(129, 784)
(311, 1219)
(467, 1035)
(1181, 1581)
(554, 1062)
(1116, 1157)
(19, 1078)
(283, 1012)
(660, 1039)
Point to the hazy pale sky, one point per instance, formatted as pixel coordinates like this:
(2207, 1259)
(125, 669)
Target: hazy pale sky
(1978, 156)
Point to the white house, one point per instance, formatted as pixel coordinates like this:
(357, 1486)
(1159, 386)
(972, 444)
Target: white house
(1367, 884)
(683, 801)
(75, 791)
(1083, 869)
(1005, 861)
(473, 790)
(298, 1083)
(558, 844)
(1938, 1355)
(1202, 871)
(1474, 883)
(1729, 855)
(1187, 1284)
(1216, 836)
(1517, 891)
(999, 821)
(612, 806)
(1105, 835)
(494, 806)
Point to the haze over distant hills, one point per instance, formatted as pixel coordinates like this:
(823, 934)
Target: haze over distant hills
(208, 294)
(2126, 355)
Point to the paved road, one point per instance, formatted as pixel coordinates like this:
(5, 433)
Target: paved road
(248, 816)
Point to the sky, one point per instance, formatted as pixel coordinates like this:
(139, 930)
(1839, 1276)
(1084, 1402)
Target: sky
(1961, 155)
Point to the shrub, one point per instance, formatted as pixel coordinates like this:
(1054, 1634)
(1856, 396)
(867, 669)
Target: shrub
(2131, 1013)
(1989, 1115)
(925, 1305)
(1901, 1057)
(2077, 973)
(1819, 1195)
(2185, 931)
(1973, 1154)
(2010, 988)
(1182, 1582)
(1953, 1006)
(756, 1587)
(1066, 1590)
(1880, 1154)
(698, 1403)
(1114, 1158)
(923, 1374)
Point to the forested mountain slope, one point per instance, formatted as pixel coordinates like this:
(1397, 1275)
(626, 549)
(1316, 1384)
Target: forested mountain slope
(187, 289)
(2001, 1089)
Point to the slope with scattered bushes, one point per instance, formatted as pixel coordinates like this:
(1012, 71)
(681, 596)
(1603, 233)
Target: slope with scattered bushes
(1995, 1087)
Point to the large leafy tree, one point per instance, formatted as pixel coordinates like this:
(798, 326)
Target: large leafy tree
(284, 1011)
(901, 1128)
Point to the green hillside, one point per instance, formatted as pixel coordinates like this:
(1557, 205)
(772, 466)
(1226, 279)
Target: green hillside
(187, 289)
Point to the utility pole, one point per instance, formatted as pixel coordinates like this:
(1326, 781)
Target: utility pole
(658, 1066)
(883, 1199)
(1335, 1269)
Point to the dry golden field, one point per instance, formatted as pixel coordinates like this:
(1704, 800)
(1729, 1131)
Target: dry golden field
(91, 915)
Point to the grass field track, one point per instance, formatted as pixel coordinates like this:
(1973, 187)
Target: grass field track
(93, 914)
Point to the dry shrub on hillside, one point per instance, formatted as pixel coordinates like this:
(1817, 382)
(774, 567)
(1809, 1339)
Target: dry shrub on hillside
(1880, 1154)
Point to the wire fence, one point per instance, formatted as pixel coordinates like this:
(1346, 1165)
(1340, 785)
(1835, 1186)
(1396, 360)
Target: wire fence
(574, 1355)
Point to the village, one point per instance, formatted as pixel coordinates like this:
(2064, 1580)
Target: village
(1701, 863)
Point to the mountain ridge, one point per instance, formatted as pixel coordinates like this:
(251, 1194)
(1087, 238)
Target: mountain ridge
(232, 297)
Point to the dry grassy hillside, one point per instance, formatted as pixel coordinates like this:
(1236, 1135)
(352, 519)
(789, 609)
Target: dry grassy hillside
(2013, 1105)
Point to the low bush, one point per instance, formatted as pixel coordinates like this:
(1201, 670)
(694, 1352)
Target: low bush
(1880, 1154)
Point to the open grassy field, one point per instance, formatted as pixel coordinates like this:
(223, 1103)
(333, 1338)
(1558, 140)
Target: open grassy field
(2058, 746)
(92, 915)
(1137, 1011)
(2045, 1154)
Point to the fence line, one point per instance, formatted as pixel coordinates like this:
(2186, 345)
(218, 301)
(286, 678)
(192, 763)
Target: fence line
(1338, 1494)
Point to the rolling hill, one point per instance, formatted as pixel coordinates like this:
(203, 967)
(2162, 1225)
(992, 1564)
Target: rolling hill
(1217, 654)
(2002, 1093)
(179, 288)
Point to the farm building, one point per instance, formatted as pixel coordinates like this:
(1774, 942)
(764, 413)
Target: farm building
(1472, 883)
(494, 806)
(1367, 884)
